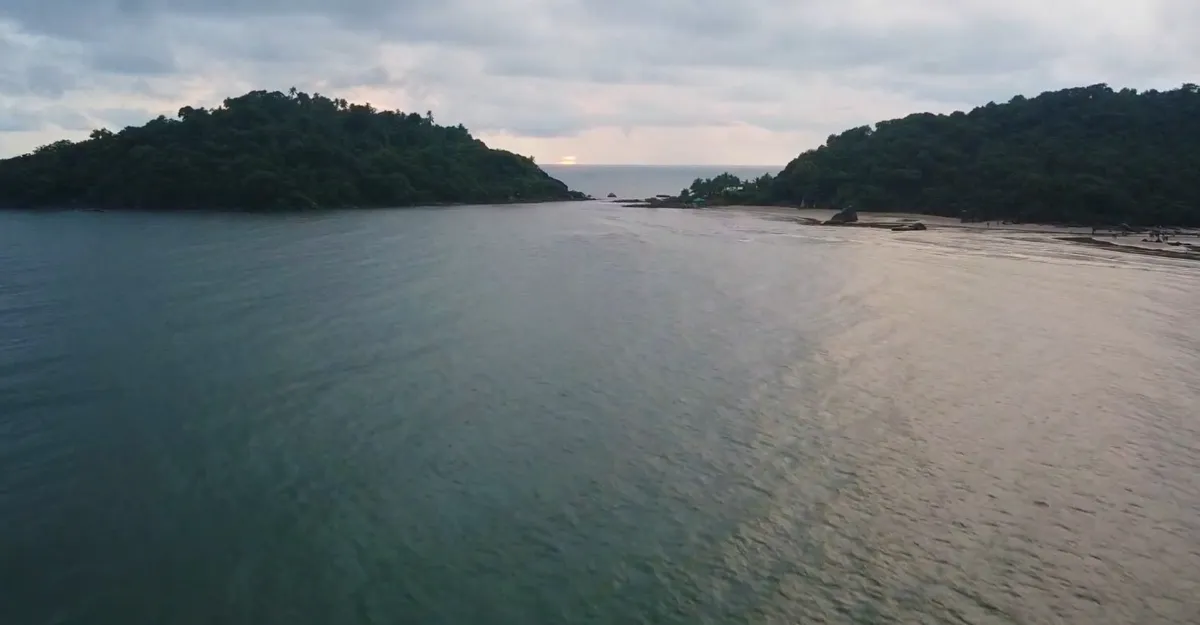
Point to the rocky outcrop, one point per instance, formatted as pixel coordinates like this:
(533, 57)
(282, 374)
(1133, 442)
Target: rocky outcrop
(848, 215)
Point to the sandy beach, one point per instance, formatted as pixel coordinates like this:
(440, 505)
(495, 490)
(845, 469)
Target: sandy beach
(1132, 243)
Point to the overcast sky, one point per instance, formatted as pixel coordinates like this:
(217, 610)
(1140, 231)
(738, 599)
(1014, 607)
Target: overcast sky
(605, 81)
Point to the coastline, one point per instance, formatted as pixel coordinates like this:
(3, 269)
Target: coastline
(1128, 243)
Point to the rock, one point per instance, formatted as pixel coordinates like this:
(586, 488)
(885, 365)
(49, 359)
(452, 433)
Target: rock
(846, 216)
(612, 195)
(910, 227)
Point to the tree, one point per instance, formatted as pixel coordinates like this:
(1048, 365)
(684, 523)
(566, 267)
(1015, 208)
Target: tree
(271, 150)
(727, 189)
(1087, 155)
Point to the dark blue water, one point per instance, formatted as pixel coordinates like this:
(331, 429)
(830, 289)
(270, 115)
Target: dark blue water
(579, 413)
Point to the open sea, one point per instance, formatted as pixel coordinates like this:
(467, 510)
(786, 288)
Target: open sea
(582, 413)
(642, 181)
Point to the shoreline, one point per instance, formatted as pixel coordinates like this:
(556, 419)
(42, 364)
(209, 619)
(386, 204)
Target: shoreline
(1126, 243)
(1192, 252)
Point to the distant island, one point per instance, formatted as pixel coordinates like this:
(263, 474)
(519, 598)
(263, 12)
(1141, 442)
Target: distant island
(1085, 156)
(275, 151)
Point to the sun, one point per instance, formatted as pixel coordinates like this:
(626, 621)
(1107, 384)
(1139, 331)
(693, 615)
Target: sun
(566, 160)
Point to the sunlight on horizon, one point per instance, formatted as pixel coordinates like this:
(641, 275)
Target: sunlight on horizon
(567, 160)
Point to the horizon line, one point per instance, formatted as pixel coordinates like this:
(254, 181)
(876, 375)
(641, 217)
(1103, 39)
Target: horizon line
(655, 165)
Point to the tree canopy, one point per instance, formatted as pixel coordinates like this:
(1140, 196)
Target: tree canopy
(273, 150)
(727, 188)
(1087, 155)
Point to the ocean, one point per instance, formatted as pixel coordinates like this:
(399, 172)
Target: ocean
(642, 181)
(583, 413)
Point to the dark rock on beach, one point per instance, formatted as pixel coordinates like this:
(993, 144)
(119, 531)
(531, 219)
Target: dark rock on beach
(848, 215)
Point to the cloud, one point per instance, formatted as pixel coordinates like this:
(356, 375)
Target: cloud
(120, 118)
(21, 119)
(124, 60)
(48, 81)
(68, 119)
(605, 80)
(13, 119)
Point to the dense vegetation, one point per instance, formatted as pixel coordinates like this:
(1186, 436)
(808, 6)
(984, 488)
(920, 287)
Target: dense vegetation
(272, 150)
(1088, 155)
(728, 189)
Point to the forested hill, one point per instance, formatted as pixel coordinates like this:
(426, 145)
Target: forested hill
(1087, 155)
(272, 150)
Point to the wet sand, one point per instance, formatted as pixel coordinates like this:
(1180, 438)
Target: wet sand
(1131, 243)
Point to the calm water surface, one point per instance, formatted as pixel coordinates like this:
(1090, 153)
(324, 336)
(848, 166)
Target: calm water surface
(641, 181)
(586, 414)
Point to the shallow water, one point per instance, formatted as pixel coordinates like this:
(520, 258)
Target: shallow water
(588, 414)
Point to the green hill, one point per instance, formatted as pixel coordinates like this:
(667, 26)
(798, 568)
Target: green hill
(1086, 155)
(272, 150)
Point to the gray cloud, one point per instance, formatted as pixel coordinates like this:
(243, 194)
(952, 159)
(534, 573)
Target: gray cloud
(130, 60)
(376, 76)
(22, 119)
(437, 21)
(48, 81)
(68, 119)
(14, 119)
(119, 118)
(563, 68)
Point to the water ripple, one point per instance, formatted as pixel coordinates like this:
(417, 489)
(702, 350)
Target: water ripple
(580, 413)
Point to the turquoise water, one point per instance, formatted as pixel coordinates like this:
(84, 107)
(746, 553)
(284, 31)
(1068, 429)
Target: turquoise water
(578, 413)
